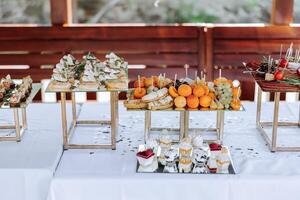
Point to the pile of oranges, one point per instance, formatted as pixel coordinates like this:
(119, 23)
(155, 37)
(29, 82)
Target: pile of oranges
(191, 96)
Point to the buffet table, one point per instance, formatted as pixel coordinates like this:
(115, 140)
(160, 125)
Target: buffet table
(27, 167)
(106, 174)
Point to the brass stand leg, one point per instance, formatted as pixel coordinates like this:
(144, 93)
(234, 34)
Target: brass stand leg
(24, 118)
(258, 109)
(186, 123)
(64, 119)
(73, 108)
(114, 118)
(147, 125)
(182, 125)
(218, 125)
(221, 126)
(17, 124)
(275, 120)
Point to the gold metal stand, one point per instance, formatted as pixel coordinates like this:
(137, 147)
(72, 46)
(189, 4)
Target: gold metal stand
(67, 133)
(272, 142)
(17, 127)
(184, 126)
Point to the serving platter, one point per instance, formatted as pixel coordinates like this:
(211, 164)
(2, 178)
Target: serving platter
(231, 169)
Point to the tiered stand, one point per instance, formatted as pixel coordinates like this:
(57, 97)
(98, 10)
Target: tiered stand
(277, 89)
(184, 128)
(68, 132)
(19, 129)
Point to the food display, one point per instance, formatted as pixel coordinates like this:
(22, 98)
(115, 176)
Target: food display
(189, 156)
(90, 74)
(285, 69)
(161, 93)
(12, 93)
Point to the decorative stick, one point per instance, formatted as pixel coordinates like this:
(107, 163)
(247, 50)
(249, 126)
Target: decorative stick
(152, 81)
(139, 82)
(281, 46)
(220, 73)
(159, 80)
(196, 74)
(186, 67)
(164, 75)
(204, 77)
(201, 74)
(175, 78)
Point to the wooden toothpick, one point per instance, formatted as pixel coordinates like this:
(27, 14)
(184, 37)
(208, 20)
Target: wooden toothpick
(186, 67)
(175, 78)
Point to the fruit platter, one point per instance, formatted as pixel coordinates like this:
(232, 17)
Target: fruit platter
(90, 74)
(190, 156)
(16, 93)
(284, 70)
(162, 93)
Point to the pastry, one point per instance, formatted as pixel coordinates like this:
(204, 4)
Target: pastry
(153, 96)
(165, 143)
(200, 158)
(184, 90)
(180, 102)
(8, 83)
(215, 150)
(135, 104)
(57, 85)
(173, 92)
(116, 85)
(185, 148)
(170, 160)
(205, 101)
(161, 104)
(15, 100)
(185, 165)
(223, 161)
(192, 101)
(147, 161)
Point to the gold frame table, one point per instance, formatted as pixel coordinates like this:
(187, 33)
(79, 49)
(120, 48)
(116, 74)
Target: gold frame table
(277, 88)
(68, 132)
(19, 128)
(184, 128)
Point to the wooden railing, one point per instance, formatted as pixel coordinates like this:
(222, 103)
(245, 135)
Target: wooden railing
(162, 49)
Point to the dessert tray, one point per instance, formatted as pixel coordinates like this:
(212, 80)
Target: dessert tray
(184, 158)
(160, 93)
(19, 93)
(90, 74)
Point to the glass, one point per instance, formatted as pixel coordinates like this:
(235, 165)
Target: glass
(35, 89)
(24, 12)
(172, 11)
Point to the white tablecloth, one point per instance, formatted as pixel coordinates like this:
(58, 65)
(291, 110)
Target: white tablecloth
(27, 167)
(110, 175)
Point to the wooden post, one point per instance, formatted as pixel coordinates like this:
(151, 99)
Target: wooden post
(282, 12)
(201, 49)
(209, 54)
(61, 12)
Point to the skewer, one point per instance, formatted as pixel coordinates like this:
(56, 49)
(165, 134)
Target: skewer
(139, 82)
(196, 74)
(164, 75)
(175, 78)
(159, 80)
(220, 73)
(204, 77)
(201, 74)
(186, 66)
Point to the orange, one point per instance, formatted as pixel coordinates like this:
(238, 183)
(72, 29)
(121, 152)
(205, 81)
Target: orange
(184, 90)
(148, 82)
(139, 92)
(173, 92)
(235, 104)
(136, 83)
(205, 101)
(220, 80)
(180, 102)
(192, 101)
(212, 95)
(236, 93)
(206, 89)
(198, 90)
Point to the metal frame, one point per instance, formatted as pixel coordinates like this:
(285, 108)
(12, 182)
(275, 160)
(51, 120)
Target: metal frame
(67, 133)
(20, 129)
(184, 126)
(272, 142)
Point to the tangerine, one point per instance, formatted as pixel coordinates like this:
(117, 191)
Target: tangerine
(205, 101)
(184, 90)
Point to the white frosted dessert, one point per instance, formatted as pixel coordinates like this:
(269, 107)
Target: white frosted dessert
(223, 161)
